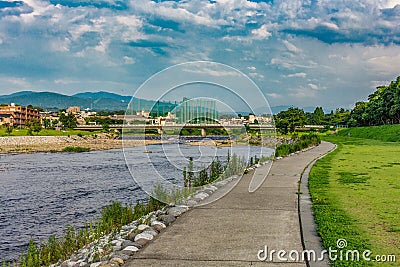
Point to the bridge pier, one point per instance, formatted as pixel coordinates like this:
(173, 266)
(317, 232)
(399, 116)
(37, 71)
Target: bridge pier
(203, 132)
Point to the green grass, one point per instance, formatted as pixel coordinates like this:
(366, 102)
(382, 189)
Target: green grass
(76, 149)
(386, 133)
(356, 196)
(300, 133)
(46, 132)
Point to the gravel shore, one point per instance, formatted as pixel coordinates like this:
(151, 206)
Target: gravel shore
(32, 144)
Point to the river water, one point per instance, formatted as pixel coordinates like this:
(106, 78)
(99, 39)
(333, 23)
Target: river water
(42, 193)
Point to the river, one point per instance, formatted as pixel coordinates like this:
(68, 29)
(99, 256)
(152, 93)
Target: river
(42, 193)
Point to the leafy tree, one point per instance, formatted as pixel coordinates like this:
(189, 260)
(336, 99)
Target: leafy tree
(341, 116)
(287, 121)
(68, 121)
(102, 121)
(383, 107)
(108, 113)
(216, 169)
(46, 123)
(358, 114)
(54, 123)
(106, 127)
(33, 125)
(202, 179)
(9, 129)
(318, 116)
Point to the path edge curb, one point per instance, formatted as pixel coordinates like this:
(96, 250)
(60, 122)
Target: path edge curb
(308, 228)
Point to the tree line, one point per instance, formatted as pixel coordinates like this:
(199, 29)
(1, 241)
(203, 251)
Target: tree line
(382, 107)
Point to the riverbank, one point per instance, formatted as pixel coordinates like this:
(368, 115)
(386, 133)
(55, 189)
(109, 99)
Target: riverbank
(33, 144)
(271, 142)
(105, 141)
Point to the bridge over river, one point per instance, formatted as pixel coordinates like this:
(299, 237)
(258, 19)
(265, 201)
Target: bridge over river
(161, 128)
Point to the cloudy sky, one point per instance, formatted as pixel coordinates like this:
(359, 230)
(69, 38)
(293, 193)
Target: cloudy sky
(302, 53)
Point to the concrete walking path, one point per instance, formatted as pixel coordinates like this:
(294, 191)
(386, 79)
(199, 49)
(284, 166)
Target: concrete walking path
(232, 230)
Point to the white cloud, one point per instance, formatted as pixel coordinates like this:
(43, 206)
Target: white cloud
(176, 13)
(256, 75)
(296, 75)
(291, 47)
(313, 86)
(128, 60)
(15, 82)
(274, 95)
(60, 44)
(212, 71)
(389, 3)
(330, 25)
(66, 81)
(385, 65)
(261, 33)
(293, 64)
(302, 92)
(102, 46)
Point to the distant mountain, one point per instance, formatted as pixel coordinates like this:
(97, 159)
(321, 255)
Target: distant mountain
(277, 109)
(20, 93)
(103, 95)
(95, 101)
(46, 100)
(103, 101)
(55, 101)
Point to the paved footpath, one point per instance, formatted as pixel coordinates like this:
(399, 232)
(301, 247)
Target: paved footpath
(232, 230)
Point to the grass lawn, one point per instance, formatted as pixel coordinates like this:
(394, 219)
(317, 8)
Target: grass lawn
(356, 196)
(389, 133)
(45, 132)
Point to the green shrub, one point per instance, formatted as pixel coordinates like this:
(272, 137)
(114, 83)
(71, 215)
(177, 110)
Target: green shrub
(76, 149)
(300, 143)
(112, 218)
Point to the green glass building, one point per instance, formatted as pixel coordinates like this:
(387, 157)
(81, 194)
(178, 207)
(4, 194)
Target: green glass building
(198, 110)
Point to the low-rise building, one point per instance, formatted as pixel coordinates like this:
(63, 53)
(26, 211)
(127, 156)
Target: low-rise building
(74, 110)
(143, 113)
(20, 114)
(140, 117)
(51, 117)
(6, 119)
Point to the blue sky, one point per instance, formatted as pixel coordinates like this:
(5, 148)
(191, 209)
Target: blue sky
(302, 53)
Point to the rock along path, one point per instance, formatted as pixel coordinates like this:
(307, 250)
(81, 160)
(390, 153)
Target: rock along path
(232, 230)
